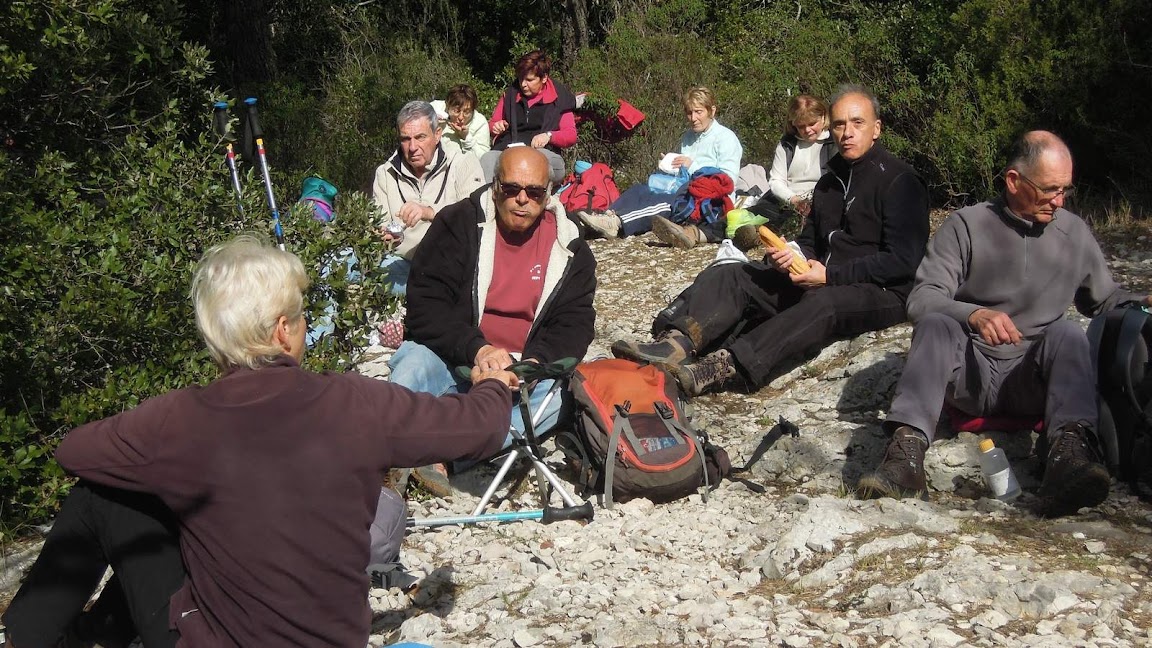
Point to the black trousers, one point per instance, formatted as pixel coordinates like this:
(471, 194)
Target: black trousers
(780, 320)
(97, 527)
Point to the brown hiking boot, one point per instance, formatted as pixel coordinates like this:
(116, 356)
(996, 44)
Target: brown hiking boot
(670, 348)
(712, 369)
(684, 237)
(434, 479)
(746, 237)
(1074, 476)
(901, 473)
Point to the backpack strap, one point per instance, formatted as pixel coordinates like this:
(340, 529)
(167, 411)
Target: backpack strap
(619, 422)
(676, 428)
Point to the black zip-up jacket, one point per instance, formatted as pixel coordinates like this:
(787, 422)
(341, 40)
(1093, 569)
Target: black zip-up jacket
(869, 221)
(449, 268)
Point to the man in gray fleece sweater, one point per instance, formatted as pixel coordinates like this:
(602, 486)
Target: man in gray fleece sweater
(991, 337)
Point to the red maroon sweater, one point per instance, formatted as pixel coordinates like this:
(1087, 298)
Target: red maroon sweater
(274, 474)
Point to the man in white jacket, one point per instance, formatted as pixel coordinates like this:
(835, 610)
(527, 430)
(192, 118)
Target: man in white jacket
(417, 181)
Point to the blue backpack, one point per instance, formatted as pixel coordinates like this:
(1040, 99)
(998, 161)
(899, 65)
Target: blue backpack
(320, 195)
(684, 203)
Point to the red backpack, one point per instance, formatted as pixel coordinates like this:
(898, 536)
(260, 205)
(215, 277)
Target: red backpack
(593, 190)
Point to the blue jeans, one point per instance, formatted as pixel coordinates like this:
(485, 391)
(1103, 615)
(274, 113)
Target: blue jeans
(416, 367)
(398, 269)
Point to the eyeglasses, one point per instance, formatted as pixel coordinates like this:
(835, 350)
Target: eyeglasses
(512, 190)
(1049, 193)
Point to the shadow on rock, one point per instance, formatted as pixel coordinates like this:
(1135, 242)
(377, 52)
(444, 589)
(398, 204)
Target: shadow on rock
(434, 594)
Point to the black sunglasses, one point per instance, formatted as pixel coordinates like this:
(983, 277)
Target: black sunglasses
(511, 190)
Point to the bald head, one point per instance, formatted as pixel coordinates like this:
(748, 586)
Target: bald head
(522, 156)
(521, 189)
(1038, 177)
(1035, 146)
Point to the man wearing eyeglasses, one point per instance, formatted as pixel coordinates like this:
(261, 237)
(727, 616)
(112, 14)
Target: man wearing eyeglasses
(991, 337)
(502, 275)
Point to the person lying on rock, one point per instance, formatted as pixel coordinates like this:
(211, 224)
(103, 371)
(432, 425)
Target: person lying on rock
(991, 337)
(268, 479)
(863, 239)
(501, 275)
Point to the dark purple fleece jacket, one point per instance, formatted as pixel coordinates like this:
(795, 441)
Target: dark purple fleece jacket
(274, 474)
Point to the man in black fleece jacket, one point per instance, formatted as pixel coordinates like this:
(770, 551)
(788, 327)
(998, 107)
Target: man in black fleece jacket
(502, 275)
(863, 239)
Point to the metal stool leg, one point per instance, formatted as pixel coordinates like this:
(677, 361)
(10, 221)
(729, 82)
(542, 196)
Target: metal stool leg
(520, 447)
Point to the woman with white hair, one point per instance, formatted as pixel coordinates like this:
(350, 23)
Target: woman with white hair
(269, 477)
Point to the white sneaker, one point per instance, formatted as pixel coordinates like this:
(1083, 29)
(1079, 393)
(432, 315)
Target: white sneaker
(606, 224)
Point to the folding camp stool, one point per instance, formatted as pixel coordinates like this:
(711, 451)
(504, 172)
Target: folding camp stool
(524, 444)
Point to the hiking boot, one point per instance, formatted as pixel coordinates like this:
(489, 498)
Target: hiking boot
(746, 237)
(433, 479)
(712, 369)
(670, 348)
(1074, 476)
(606, 223)
(684, 237)
(901, 473)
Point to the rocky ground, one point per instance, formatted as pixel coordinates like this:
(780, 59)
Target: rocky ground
(782, 554)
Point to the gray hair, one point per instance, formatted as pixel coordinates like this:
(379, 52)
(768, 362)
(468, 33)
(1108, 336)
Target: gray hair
(240, 290)
(1027, 150)
(845, 89)
(417, 110)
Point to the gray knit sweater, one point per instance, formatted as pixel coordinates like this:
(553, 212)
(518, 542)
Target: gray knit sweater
(984, 256)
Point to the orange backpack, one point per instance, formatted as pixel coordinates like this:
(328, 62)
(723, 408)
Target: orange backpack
(637, 439)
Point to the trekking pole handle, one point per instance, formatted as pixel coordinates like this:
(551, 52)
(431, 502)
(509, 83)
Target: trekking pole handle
(220, 112)
(253, 118)
(581, 512)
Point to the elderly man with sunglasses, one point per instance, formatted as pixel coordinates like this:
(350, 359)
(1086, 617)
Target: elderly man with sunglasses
(991, 336)
(502, 275)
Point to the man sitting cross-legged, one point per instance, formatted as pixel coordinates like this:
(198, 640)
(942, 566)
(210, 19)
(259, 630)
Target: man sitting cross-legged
(991, 336)
(864, 237)
(500, 275)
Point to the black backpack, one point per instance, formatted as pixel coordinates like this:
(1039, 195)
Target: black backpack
(1120, 340)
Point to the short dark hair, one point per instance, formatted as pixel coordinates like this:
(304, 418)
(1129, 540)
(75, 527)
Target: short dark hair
(845, 89)
(536, 61)
(460, 96)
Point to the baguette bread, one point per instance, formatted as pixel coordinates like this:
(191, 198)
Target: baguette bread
(771, 240)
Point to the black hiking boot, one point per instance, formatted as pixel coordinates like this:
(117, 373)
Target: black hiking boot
(670, 348)
(901, 473)
(712, 369)
(1074, 476)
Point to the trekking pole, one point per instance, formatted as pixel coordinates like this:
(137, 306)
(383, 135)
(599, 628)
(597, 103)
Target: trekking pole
(224, 131)
(546, 515)
(258, 134)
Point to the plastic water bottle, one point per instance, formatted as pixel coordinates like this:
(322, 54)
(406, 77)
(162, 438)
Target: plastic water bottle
(997, 472)
(396, 229)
